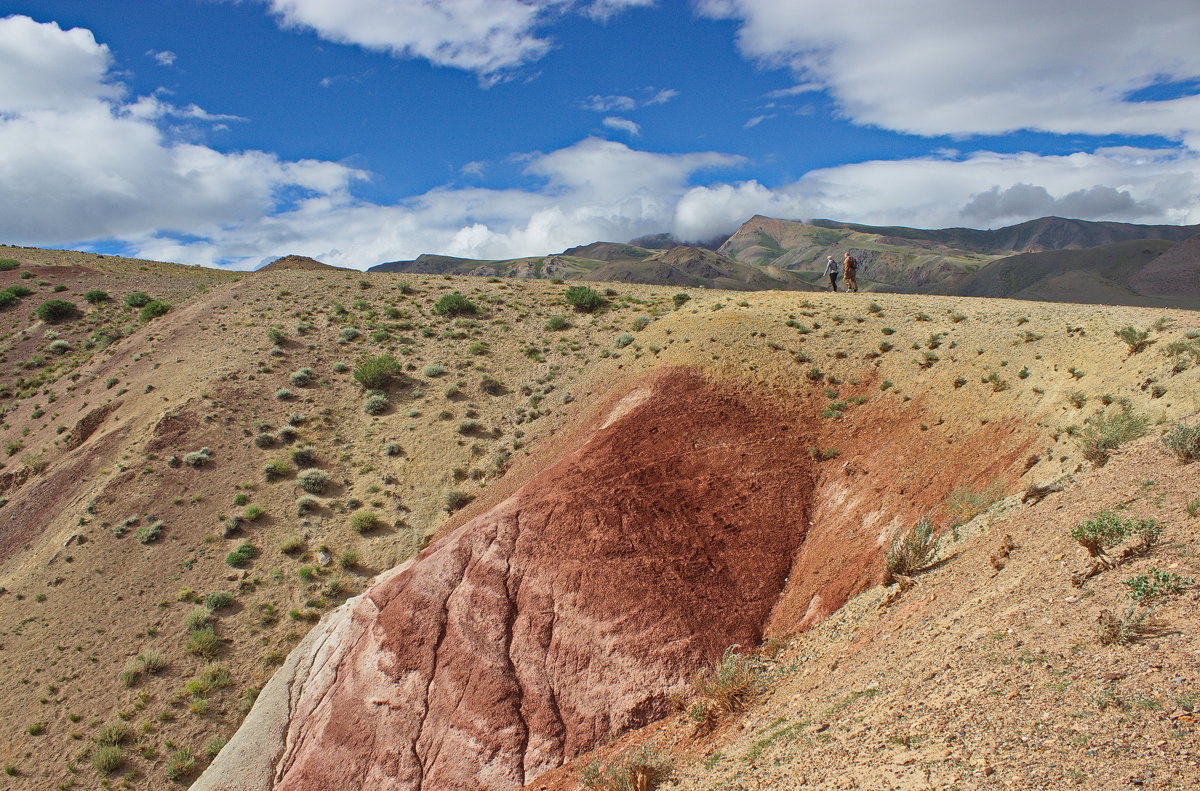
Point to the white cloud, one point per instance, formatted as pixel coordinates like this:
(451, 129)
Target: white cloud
(983, 189)
(758, 119)
(625, 104)
(79, 163)
(603, 10)
(951, 67)
(622, 125)
(483, 36)
(606, 104)
(43, 66)
(164, 57)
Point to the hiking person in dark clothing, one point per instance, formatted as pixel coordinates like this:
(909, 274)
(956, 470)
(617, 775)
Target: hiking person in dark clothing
(851, 273)
(831, 269)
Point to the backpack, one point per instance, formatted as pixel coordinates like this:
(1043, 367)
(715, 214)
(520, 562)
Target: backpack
(851, 265)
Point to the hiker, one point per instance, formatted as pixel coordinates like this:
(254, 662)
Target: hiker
(851, 273)
(831, 269)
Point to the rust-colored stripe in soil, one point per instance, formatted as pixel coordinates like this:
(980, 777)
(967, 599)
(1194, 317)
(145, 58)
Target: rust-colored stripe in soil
(562, 616)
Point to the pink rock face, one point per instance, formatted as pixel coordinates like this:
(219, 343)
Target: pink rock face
(559, 618)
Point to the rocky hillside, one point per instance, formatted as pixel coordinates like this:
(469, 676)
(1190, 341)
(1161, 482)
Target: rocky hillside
(450, 532)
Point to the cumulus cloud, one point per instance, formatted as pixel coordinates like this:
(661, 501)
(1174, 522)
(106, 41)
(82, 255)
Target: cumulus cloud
(984, 188)
(79, 162)
(482, 36)
(603, 10)
(622, 125)
(947, 67)
(163, 58)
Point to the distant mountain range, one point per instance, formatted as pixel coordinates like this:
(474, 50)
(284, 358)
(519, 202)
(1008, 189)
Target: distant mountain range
(1051, 258)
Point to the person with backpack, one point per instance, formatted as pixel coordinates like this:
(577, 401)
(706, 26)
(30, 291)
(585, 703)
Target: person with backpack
(831, 269)
(851, 273)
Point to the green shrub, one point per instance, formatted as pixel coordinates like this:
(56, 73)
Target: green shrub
(455, 305)
(1154, 583)
(913, 549)
(197, 458)
(312, 480)
(197, 619)
(302, 377)
(376, 405)
(1135, 338)
(96, 296)
(152, 310)
(347, 334)
(1106, 431)
(112, 734)
(180, 763)
(19, 290)
(203, 642)
(218, 599)
(53, 310)
(137, 299)
(375, 373)
(8, 299)
(434, 370)
(1184, 442)
(149, 533)
(107, 759)
(253, 512)
(242, 555)
(362, 521)
(8, 264)
(456, 500)
(276, 469)
(555, 323)
(730, 686)
(680, 299)
(304, 456)
(59, 346)
(584, 299)
(623, 340)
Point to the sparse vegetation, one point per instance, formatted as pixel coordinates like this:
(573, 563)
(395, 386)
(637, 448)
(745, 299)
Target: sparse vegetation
(911, 551)
(1108, 430)
(584, 299)
(1183, 442)
(455, 305)
(376, 373)
(639, 769)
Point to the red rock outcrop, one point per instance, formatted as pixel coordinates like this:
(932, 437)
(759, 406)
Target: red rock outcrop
(554, 621)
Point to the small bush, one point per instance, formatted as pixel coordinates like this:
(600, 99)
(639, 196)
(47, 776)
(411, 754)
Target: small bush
(312, 480)
(203, 642)
(584, 299)
(53, 310)
(197, 619)
(375, 373)
(455, 305)
(137, 299)
(362, 521)
(96, 296)
(1120, 629)
(149, 533)
(1107, 431)
(59, 346)
(434, 370)
(1154, 583)
(113, 734)
(555, 323)
(197, 458)
(302, 377)
(107, 759)
(284, 394)
(1184, 442)
(8, 264)
(292, 544)
(730, 685)
(8, 299)
(218, 599)
(639, 769)
(241, 556)
(180, 763)
(680, 299)
(152, 661)
(347, 334)
(276, 469)
(913, 549)
(304, 456)
(456, 500)
(253, 512)
(376, 405)
(1135, 338)
(623, 340)
(154, 309)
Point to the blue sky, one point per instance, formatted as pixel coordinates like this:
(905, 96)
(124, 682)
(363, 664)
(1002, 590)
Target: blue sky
(360, 131)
